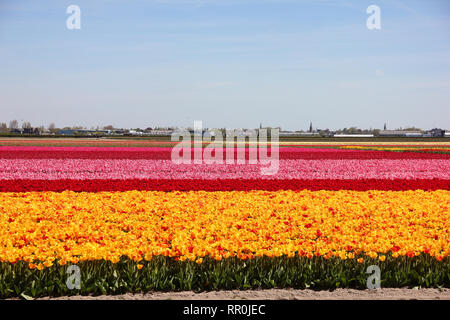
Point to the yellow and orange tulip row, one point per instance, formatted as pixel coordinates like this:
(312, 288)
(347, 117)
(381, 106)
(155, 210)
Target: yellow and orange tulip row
(46, 228)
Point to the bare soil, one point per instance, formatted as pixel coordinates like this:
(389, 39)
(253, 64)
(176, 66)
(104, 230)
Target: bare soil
(279, 294)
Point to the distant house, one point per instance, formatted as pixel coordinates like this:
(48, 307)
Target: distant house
(119, 132)
(30, 131)
(308, 134)
(289, 134)
(436, 132)
(326, 133)
(161, 132)
(353, 136)
(413, 134)
(66, 132)
(136, 133)
(72, 132)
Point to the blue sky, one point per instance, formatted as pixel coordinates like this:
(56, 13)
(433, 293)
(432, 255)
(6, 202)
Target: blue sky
(228, 63)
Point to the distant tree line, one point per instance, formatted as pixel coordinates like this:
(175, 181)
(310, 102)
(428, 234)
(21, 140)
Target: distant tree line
(13, 127)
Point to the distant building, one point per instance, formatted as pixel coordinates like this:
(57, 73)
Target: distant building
(436, 132)
(326, 133)
(399, 133)
(73, 132)
(135, 133)
(119, 132)
(160, 132)
(67, 132)
(391, 133)
(30, 131)
(289, 133)
(308, 134)
(353, 136)
(413, 134)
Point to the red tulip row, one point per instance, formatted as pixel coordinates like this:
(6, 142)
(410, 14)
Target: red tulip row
(166, 155)
(221, 185)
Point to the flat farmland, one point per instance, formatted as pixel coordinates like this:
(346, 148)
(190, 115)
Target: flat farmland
(133, 221)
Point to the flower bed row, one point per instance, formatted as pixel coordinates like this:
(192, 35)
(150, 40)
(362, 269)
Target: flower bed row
(43, 228)
(167, 185)
(407, 148)
(166, 153)
(51, 169)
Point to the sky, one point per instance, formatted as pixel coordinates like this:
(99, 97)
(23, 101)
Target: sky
(228, 63)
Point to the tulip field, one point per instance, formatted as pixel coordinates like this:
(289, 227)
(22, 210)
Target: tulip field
(134, 221)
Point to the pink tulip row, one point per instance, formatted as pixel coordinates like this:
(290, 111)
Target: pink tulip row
(148, 149)
(54, 169)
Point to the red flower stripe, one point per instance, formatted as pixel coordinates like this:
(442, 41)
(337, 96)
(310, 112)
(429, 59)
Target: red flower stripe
(166, 155)
(220, 185)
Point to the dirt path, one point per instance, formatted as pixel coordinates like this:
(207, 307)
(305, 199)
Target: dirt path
(281, 294)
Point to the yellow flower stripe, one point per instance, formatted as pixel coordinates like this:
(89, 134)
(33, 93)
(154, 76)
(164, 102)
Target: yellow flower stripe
(401, 148)
(44, 227)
